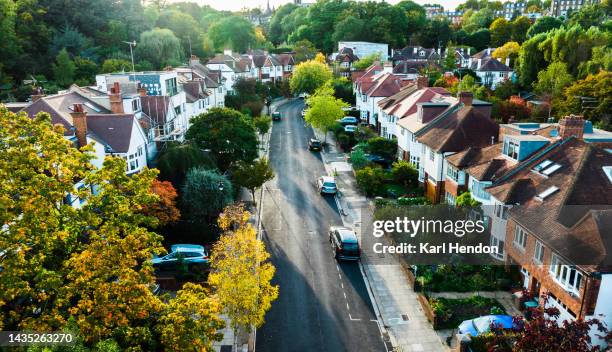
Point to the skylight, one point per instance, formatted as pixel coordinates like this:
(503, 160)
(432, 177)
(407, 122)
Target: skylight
(550, 170)
(608, 171)
(91, 107)
(541, 166)
(549, 191)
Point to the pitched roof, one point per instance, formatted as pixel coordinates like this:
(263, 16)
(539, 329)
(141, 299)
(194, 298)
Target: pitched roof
(483, 164)
(156, 107)
(386, 85)
(575, 220)
(490, 65)
(407, 67)
(114, 129)
(462, 128)
(484, 54)
(285, 59)
(346, 55)
(408, 53)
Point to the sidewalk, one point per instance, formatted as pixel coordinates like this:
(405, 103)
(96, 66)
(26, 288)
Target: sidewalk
(395, 303)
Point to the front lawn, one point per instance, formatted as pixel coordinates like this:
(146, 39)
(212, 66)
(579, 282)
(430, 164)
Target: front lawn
(449, 313)
(462, 278)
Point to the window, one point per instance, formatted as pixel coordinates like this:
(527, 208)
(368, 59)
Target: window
(567, 276)
(177, 110)
(432, 155)
(520, 238)
(538, 255)
(495, 242)
(452, 173)
(171, 88)
(136, 105)
(551, 169)
(501, 211)
(478, 190)
(502, 74)
(139, 151)
(415, 160)
(511, 149)
(450, 199)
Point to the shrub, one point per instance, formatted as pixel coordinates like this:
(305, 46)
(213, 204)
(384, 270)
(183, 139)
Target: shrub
(358, 159)
(404, 173)
(371, 180)
(383, 147)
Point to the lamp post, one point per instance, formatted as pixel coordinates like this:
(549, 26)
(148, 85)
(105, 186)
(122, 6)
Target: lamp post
(132, 44)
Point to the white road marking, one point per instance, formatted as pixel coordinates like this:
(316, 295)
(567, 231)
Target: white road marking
(338, 268)
(342, 285)
(344, 293)
(353, 319)
(347, 306)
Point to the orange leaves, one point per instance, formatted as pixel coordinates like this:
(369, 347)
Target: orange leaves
(164, 209)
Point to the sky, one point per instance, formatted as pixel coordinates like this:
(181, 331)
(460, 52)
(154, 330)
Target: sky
(234, 5)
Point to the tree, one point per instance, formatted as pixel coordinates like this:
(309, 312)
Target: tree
(479, 39)
(205, 193)
(371, 180)
(323, 112)
(601, 60)
(232, 32)
(509, 110)
(227, 134)
(115, 65)
(160, 47)
(176, 159)
(164, 210)
(382, 147)
(350, 28)
(520, 27)
(475, 20)
(64, 69)
(405, 173)
(588, 16)
(501, 31)
(508, 50)
(190, 321)
(531, 60)
(98, 280)
(543, 25)
(434, 32)
(276, 31)
(594, 86)
(309, 76)
(366, 61)
(182, 24)
(241, 275)
(304, 50)
(465, 200)
(85, 71)
(553, 80)
(253, 175)
(320, 58)
(262, 124)
(468, 84)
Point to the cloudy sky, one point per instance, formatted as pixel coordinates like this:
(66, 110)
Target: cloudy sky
(238, 4)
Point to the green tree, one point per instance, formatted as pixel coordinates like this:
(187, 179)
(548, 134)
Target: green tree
(275, 31)
(358, 159)
(588, 16)
(434, 32)
(85, 71)
(531, 60)
(405, 173)
(229, 136)
(160, 47)
(468, 84)
(233, 32)
(262, 124)
(479, 39)
(543, 25)
(253, 175)
(465, 200)
(594, 86)
(304, 51)
(371, 180)
(508, 50)
(241, 275)
(520, 27)
(205, 193)
(366, 61)
(383, 147)
(309, 76)
(323, 112)
(501, 31)
(116, 65)
(176, 159)
(553, 80)
(182, 24)
(601, 60)
(349, 28)
(63, 69)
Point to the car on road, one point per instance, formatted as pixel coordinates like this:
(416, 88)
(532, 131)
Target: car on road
(327, 185)
(314, 144)
(348, 120)
(344, 243)
(191, 254)
(303, 113)
(350, 129)
(276, 116)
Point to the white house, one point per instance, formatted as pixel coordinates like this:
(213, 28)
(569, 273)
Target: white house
(362, 49)
(232, 67)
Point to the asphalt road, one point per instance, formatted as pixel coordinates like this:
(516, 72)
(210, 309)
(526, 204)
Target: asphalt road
(323, 305)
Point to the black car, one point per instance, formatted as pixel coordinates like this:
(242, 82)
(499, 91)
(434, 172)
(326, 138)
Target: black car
(377, 159)
(314, 144)
(344, 243)
(276, 116)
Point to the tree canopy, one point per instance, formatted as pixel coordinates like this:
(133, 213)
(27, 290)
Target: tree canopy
(309, 76)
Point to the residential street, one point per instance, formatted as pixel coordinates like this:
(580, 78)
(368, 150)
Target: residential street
(322, 305)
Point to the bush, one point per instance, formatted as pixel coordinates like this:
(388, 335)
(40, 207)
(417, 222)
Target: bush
(371, 180)
(451, 312)
(412, 201)
(383, 147)
(404, 173)
(358, 159)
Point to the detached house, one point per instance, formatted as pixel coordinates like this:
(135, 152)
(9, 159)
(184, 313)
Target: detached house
(344, 59)
(415, 53)
(271, 68)
(231, 67)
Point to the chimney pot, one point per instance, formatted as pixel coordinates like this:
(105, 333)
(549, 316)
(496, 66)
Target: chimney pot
(422, 82)
(79, 121)
(114, 97)
(572, 125)
(466, 98)
(479, 64)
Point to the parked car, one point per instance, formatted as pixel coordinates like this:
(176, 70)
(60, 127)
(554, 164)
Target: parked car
(190, 254)
(344, 243)
(377, 159)
(348, 120)
(350, 129)
(314, 144)
(303, 113)
(327, 185)
(482, 325)
(276, 116)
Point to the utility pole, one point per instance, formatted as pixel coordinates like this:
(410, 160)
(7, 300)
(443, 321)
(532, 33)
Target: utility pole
(132, 44)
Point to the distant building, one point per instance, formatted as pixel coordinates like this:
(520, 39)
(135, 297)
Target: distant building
(304, 3)
(433, 10)
(415, 54)
(565, 7)
(362, 49)
(512, 10)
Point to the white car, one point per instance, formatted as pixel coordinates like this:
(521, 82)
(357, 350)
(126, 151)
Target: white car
(350, 129)
(327, 185)
(303, 113)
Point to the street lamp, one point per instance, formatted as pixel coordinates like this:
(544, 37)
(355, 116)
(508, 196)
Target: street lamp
(132, 44)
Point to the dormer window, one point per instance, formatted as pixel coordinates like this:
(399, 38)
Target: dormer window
(421, 53)
(511, 149)
(547, 193)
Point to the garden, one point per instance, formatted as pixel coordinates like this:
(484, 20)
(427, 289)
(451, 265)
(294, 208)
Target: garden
(461, 278)
(449, 313)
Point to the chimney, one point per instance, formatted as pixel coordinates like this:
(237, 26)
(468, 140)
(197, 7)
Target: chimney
(414, 50)
(422, 82)
(488, 51)
(572, 125)
(142, 91)
(508, 61)
(37, 94)
(479, 64)
(388, 67)
(79, 121)
(114, 97)
(466, 98)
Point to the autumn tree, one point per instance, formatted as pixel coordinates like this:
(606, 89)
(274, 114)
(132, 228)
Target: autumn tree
(309, 76)
(241, 275)
(164, 210)
(253, 175)
(86, 266)
(501, 31)
(598, 90)
(508, 50)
